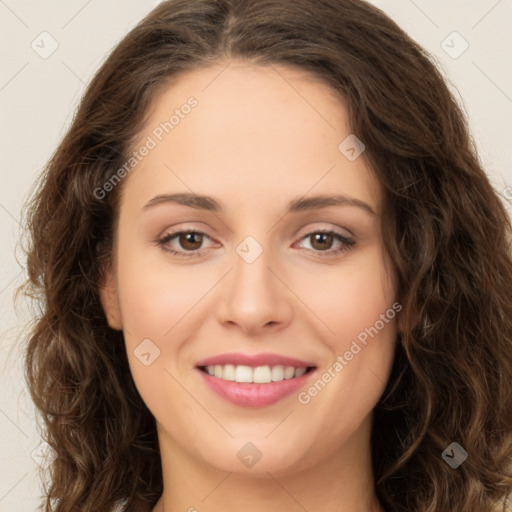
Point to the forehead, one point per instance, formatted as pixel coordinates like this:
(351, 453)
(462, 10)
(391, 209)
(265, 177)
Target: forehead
(254, 132)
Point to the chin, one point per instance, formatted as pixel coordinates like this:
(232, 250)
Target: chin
(256, 457)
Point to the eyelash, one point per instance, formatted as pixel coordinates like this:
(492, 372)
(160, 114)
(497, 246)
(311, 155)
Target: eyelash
(347, 243)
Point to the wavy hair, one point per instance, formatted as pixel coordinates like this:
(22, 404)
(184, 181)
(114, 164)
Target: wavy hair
(445, 228)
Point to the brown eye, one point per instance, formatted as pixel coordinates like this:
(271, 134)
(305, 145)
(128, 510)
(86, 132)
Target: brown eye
(328, 243)
(190, 240)
(184, 244)
(321, 241)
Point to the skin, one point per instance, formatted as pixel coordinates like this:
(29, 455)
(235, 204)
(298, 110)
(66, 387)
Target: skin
(258, 138)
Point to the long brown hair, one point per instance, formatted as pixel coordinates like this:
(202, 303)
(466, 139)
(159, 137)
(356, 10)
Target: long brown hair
(444, 226)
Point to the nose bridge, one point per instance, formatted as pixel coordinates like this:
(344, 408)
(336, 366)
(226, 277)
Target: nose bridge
(254, 297)
(252, 280)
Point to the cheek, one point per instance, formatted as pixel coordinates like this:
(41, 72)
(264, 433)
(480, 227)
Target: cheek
(356, 304)
(153, 297)
(163, 304)
(352, 298)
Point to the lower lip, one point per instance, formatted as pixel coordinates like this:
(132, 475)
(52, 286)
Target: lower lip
(254, 395)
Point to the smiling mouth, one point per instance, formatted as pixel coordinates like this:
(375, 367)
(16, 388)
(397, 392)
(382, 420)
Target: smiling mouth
(255, 375)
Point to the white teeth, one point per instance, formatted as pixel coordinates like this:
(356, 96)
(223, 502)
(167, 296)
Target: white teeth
(243, 374)
(299, 372)
(258, 375)
(262, 374)
(229, 372)
(289, 372)
(277, 373)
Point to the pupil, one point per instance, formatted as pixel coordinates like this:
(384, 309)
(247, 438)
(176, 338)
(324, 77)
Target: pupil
(320, 237)
(188, 239)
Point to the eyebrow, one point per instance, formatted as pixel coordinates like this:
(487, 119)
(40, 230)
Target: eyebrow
(295, 205)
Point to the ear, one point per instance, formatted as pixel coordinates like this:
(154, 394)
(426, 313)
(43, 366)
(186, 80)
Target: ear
(110, 301)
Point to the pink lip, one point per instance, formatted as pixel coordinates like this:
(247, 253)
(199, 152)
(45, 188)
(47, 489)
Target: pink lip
(254, 395)
(263, 359)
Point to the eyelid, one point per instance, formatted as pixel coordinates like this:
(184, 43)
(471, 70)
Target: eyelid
(320, 227)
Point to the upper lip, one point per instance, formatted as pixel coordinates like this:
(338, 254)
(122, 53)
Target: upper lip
(262, 359)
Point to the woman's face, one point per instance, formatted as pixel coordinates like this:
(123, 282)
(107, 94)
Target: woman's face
(280, 271)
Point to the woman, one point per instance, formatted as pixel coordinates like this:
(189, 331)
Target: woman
(274, 274)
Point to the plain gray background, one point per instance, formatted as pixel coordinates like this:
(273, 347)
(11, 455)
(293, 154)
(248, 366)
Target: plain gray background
(39, 93)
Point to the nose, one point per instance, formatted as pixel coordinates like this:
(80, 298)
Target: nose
(255, 298)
